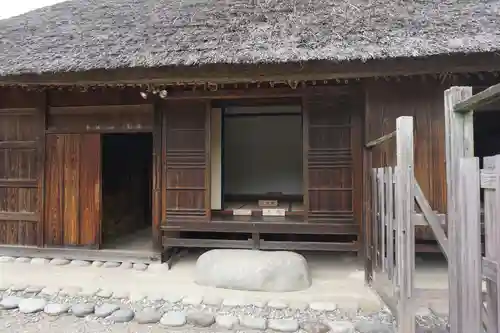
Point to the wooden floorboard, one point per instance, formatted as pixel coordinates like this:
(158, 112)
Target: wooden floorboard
(145, 257)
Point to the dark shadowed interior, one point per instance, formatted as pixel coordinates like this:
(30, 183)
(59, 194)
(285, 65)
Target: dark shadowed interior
(126, 190)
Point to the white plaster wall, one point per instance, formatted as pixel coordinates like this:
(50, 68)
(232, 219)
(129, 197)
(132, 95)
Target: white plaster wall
(215, 159)
(263, 153)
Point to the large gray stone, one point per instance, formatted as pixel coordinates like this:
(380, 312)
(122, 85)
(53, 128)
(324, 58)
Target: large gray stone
(227, 322)
(82, 309)
(284, 325)
(122, 316)
(32, 305)
(106, 309)
(56, 309)
(148, 316)
(368, 326)
(201, 319)
(254, 323)
(10, 302)
(173, 319)
(253, 270)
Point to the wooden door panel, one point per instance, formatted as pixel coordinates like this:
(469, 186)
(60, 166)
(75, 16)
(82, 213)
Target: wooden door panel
(73, 192)
(186, 155)
(329, 159)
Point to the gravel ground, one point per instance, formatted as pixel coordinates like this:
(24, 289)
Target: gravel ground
(14, 321)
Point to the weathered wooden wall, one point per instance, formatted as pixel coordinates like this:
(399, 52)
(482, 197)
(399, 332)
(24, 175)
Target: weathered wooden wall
(385, 101)
(20, 161)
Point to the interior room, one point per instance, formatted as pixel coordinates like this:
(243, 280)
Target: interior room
(260, 159)
(126, 191)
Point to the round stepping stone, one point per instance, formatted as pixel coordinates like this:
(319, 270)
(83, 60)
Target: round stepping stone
(56, 309)
(97, 264)
(39, 261)
(10, 302)
(283, 325)
(255, 323)
(82, 309)
(22, 260)
(104, 293)
(32, 305)
(200, 319)
(6, 259)
(121, 316)
(341, 327)
(33, 289)
(277, 304)
(50, 291)
(323, 306)
(369, 326)
(111, 264)
(59, 262)
(80, 263)
(70, 291)
(315, 327)
(140, 267)
(148, 316)
(105, 310)
(173, 319)
(227, 322)
(126, 265)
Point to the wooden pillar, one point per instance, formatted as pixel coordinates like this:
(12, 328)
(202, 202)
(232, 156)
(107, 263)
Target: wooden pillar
(41, 126)
(459, 142)
(405, 231)
(157, 177)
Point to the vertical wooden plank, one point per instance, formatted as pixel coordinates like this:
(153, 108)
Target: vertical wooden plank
(357, 160)
(208, 192)
(381, 209)
(405, 208)
(157, 176)
(492, 240)
(41, 124)
(71, 179)
(53, 221)
(305, 155)
(469, 231)
(458, 144)
(367, 213)
(389, 180)
(375, 212)
(90, 213)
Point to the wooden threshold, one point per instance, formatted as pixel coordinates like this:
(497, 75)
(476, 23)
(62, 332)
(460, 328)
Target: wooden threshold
(262, 224)
(144, 257)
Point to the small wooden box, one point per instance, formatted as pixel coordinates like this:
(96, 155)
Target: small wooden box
(268, 203)
(273, 212)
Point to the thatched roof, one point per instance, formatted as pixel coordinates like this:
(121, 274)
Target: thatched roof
(104, 34)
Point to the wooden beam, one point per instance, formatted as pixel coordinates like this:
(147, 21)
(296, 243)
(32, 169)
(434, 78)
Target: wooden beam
(459, 143)
(17, 112)
(432, 219)
(18, 216)
(18, 183)
(380, 140)
(479, 100)
(157, 177)
(99, 109)
(17, 144)
(241, 73)
(41, 126)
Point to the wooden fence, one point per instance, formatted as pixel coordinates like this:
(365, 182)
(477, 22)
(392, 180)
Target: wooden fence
(395, 194)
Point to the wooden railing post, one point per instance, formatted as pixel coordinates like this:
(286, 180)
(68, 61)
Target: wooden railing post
(459, 143)
(405, 232)
(492, 238)
(468, 233)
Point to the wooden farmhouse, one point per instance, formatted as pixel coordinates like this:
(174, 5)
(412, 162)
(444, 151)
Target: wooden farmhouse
(150, 125)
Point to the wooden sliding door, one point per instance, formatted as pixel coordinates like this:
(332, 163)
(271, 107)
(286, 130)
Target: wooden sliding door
(73, 190)
(331, 147)
(187, 160)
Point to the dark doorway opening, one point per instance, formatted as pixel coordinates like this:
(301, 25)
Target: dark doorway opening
(126, 191)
